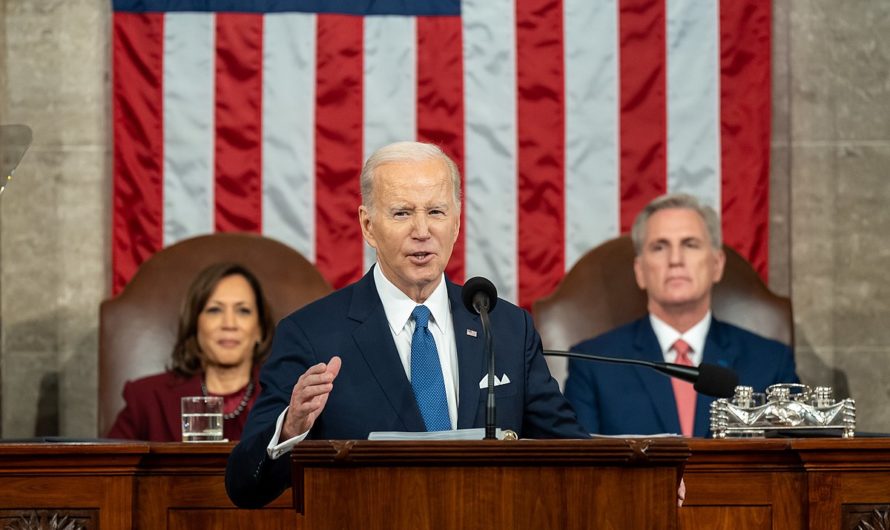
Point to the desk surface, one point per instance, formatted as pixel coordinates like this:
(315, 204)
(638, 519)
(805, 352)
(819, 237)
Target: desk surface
(738, 484)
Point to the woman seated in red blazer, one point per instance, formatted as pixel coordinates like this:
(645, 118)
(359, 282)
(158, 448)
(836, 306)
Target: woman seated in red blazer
(225, 332)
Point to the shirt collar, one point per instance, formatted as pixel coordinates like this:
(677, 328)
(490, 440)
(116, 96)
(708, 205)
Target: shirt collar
(694, 336)
(398, 306)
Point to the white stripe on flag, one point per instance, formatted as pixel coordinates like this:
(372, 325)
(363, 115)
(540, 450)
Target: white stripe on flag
(592, 178)
(189, 43)
(288, 127)
(693, 99)
(390, 87)
(592, 181)
(489, 39)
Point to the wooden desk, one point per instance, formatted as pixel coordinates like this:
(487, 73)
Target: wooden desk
(124, 486)
(788, 484)
(731, 484)
(88, 485)
(744, 485)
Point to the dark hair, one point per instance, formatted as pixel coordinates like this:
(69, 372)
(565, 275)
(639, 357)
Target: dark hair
(187, 356)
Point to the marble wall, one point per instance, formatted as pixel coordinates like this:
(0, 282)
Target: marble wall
(54, 217)
(839, 149)
(3, 61)
(830, 160)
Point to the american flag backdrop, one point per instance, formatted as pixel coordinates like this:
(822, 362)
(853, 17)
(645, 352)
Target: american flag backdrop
(565, 117)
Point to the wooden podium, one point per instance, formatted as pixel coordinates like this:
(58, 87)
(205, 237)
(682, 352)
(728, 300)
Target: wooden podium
(521, 484)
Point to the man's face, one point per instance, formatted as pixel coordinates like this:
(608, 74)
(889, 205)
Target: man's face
(413, 224)
(677, 265)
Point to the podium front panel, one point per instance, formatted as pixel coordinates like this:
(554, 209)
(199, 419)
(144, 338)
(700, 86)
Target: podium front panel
(524, 484)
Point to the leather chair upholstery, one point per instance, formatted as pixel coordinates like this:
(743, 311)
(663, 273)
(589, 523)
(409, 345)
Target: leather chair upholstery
(137, 328)
(600, 293)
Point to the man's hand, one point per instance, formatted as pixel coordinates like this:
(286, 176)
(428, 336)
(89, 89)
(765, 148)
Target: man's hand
(681, 493)
(309, 397)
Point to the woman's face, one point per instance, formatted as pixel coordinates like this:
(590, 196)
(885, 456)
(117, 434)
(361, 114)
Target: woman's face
(229, 324)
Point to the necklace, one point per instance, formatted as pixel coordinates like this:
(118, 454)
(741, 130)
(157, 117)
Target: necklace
(241, 406)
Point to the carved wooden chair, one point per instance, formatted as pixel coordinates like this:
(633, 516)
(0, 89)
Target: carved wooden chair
(137, 328)
(600, 293)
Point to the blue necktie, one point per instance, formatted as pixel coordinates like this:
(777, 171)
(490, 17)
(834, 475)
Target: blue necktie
(426, 374)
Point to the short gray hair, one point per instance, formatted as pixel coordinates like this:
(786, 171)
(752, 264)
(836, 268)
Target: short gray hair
(405, 152)
(676, 200)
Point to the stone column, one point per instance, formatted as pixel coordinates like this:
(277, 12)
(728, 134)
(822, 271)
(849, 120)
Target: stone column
(840, 154)
(54, 226)
(3, 113)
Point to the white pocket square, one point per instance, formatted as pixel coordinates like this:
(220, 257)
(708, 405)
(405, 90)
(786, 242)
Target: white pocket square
(498, 381)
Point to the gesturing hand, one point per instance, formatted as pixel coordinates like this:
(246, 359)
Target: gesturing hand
(309, 397)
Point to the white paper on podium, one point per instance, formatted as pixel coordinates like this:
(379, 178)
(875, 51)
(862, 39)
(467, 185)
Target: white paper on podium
(459, 434)
(657, 435)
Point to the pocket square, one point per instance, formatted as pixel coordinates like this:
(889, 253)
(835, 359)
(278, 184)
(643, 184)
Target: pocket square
(498, 381)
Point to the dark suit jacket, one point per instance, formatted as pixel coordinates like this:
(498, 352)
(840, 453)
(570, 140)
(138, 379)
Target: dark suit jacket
(622, 399)
(152, 410)
(372, 392)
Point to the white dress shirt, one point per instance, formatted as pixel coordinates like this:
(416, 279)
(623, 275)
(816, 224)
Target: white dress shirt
(694, 337)
(398, 307)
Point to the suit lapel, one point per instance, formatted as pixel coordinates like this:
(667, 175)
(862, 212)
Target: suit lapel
(658, 386)
(376, 345)
(717, 346)
(718, 351)
(471, 362)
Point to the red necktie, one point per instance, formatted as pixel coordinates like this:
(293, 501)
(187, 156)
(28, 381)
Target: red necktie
(684, 393)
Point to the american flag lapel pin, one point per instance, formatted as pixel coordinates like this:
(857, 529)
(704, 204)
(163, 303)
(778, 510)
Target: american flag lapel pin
(471, 332)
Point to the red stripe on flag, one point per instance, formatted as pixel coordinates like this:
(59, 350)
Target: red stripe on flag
(238, 117)
(541, 154)
(745, 114)
(338, 148)
(137, 217)
(440, 103)
(643, 136)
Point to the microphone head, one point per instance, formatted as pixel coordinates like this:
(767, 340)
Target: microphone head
(716, 381)
(475, 291)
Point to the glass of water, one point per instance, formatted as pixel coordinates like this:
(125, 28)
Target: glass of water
(202, 418)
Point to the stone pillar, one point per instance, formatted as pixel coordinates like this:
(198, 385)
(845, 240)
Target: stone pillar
(3, 113)
(54, 226)
(780, 159)
(839, 61)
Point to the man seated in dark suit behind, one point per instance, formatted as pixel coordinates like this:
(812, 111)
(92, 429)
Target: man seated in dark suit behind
(397, 350)
(679, 257)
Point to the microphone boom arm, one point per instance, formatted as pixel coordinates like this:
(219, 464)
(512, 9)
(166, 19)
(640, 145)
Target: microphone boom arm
(686, 373)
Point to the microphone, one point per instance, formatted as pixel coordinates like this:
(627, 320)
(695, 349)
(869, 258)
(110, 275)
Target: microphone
(479, 293)
(707, 379)
(479, 297)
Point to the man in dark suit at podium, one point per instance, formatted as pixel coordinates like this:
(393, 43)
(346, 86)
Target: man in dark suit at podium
(397, 350)
(679, 257)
